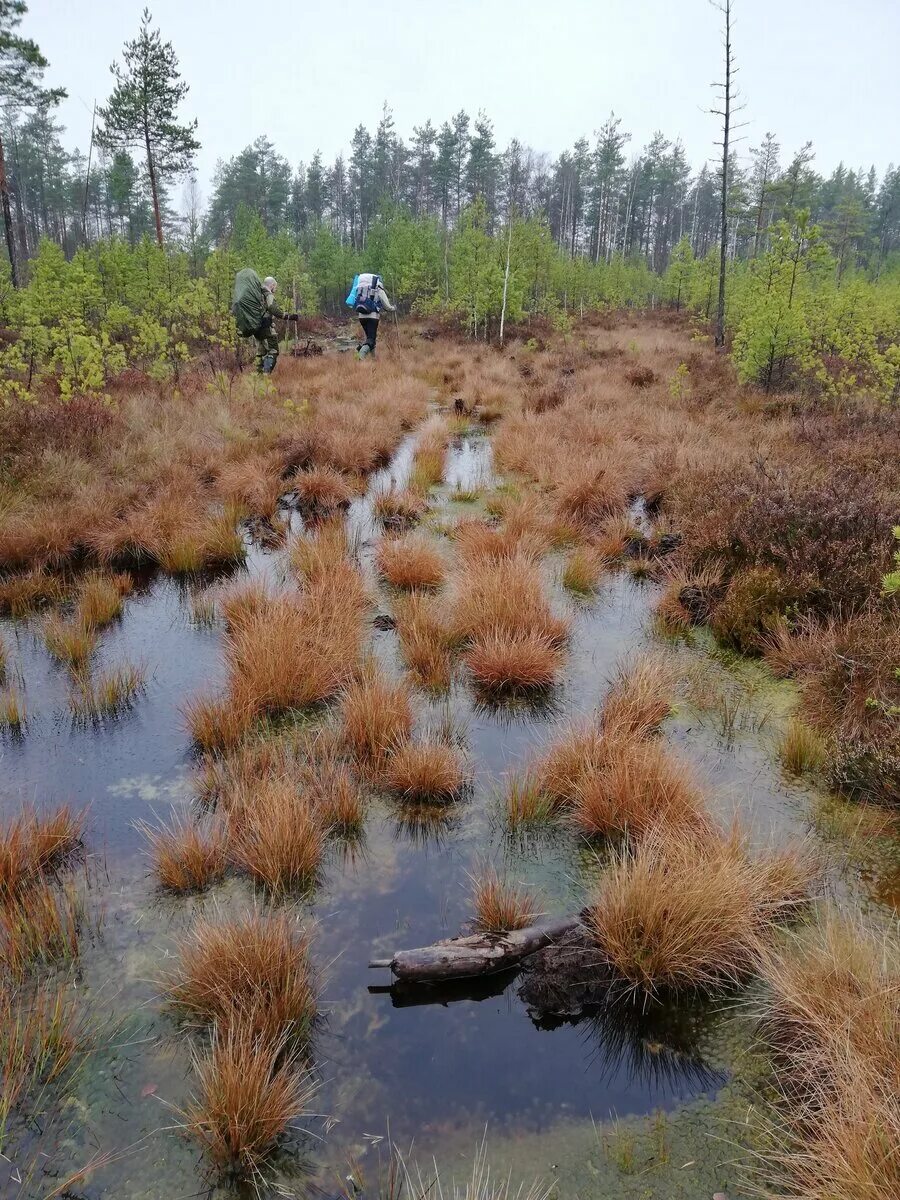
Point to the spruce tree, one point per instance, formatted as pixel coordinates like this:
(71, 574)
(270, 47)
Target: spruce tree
(143, 108)
(21, 69)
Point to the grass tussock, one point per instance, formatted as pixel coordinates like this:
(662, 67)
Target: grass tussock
(505, 596)
(107, 694)
(323, 552)
(425, 639)
(801, 749)
(284, 651)
(32, 845)
(426, 771)
(399, 508)
(639, 699)
(186, 856)
(526, 804)
(12, 711)
(40, 926)
(376, 715)
(278, 838)
(101, 597)
(322, 491)
(636, 786)
(410, 562)
(23, 593)
(251, 974)
(69, 641)
(833, 1023)
(499, 904)
(681, 914)
(502, 661)
(583, 570)
(216, 723)
(248, 1094)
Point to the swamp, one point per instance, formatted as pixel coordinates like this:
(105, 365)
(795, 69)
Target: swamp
(460, 649)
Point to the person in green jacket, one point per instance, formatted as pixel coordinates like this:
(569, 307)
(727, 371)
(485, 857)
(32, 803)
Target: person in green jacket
(265, 337)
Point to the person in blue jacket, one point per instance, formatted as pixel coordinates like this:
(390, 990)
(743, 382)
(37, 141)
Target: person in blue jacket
(367, 298)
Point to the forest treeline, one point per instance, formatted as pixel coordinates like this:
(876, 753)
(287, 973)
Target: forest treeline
(111, 276)
(598, 199)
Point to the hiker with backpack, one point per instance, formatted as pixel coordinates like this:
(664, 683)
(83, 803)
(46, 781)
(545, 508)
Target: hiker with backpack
(367, 298)
(254, 309)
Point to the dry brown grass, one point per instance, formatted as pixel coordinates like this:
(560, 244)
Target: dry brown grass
(290, 651)
(187, 856)
(399, 508)
(39, 926)
(23, 593)
(616, 537)
(33, 845)
(504, 596)
(69, 641)
(425, 639)
(101, 597)
(107, 694)
(586, 495)
(583, 570)
(278, 838)
(526, 803)
(216, 723)
(428, 770)
(411, 562)
(249, 1092)
(639, 698)
(503, 661)
(251, 974)
(677, 914)
(376, 715)
(12, 711)
(321, 491)
(322, 552)
(500, 905)
(800, 748)
(634, 787)
(833, 1022)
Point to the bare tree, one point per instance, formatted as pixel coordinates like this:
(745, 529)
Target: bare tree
(726, 112)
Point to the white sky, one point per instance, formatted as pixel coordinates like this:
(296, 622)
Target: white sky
(305, 74)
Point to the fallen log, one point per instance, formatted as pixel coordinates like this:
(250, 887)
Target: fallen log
(475, 953)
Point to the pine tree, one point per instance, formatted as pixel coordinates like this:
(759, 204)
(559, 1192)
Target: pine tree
(21, 69)
(143, 108)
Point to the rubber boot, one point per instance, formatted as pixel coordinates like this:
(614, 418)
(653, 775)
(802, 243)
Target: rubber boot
(364, 351)
(268, 364)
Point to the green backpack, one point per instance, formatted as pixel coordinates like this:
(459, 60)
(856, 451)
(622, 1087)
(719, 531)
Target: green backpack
(248, 303)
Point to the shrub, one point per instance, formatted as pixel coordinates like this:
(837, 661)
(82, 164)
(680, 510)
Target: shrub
(756, 600)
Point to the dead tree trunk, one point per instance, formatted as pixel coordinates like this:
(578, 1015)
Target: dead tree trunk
(475, 954)
(725, 114)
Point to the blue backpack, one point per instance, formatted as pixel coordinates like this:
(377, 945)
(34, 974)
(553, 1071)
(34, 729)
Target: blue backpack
(363, 297)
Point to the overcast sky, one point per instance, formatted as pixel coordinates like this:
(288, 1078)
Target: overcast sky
(545, 71)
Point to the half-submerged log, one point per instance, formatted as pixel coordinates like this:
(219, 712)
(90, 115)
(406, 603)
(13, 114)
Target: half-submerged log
(476, 953)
